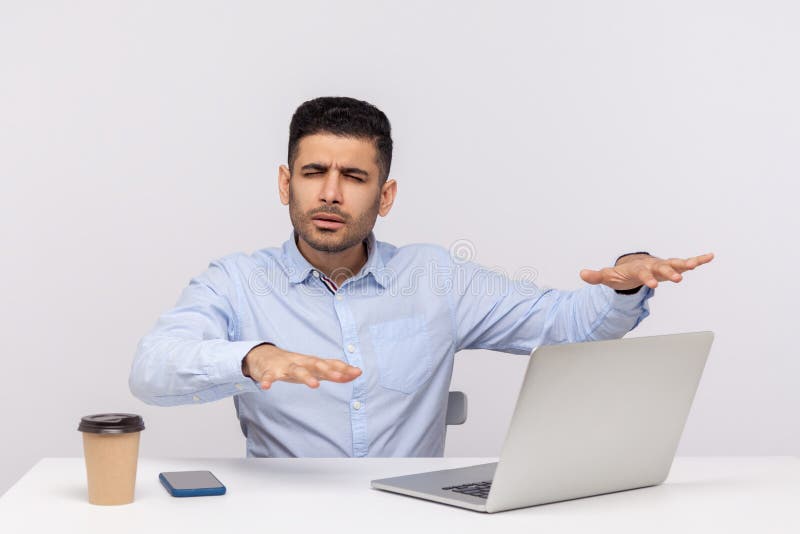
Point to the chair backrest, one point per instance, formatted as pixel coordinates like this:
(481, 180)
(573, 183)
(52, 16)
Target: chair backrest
(456, 408)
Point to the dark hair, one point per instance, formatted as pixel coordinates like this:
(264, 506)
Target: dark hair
(347, 117)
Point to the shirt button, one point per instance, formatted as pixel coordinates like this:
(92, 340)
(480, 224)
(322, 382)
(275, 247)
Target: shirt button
(351, 348)
(195, 398)
(339, 297)
(357, 405)
(239, 386)
(315, 273)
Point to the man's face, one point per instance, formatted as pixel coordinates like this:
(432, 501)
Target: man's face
(333, 192)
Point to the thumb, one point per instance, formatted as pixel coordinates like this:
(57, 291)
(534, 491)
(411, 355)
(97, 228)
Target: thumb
(590, 276)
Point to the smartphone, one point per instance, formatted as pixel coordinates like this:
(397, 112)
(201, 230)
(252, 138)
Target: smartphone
(191, 483)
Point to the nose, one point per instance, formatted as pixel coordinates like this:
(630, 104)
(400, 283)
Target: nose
(331, 191)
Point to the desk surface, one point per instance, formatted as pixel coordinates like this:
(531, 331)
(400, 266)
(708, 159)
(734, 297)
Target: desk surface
(274, 494)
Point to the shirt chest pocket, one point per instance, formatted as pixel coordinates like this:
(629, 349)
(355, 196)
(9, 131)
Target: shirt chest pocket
(403, 353)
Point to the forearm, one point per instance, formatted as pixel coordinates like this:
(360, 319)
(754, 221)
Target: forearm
(593, 313)
(527, 316)
(169, 370)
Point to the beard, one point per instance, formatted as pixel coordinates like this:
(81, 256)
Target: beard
(354, 231)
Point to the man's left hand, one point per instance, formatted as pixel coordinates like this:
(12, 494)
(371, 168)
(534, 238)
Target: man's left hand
(637, 269)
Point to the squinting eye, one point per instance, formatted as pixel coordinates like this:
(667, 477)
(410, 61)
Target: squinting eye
(354, 177)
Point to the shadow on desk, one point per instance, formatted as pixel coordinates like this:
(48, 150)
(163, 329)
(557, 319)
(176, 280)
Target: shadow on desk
(71, 493)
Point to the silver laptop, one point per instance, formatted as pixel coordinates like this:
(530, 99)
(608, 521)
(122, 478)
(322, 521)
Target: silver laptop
(591, 418)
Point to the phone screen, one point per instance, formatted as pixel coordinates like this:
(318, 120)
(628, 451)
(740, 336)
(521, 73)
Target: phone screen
(184, 480)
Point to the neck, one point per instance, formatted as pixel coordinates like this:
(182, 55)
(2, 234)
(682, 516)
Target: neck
(338, 266)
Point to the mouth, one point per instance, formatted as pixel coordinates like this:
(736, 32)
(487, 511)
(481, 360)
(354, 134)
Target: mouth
(328, 221)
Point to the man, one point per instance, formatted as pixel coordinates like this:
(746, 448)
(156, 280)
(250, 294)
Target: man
(367, 329)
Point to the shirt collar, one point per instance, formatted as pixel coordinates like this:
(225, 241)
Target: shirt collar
(300, 268)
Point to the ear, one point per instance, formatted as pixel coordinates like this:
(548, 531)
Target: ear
(283, 184)
(388, 193)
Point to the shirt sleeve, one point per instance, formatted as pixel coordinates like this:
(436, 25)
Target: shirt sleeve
(492, 311)
(189, 356)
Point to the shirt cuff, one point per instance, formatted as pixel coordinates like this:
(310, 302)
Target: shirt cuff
(629, 301)
(227, 366)
(634, 305)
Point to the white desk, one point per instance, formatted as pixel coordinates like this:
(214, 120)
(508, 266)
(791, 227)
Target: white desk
(279, 495)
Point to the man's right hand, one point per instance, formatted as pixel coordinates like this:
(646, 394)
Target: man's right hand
(267, 364)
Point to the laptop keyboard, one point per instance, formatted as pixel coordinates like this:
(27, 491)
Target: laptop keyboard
(476, 489)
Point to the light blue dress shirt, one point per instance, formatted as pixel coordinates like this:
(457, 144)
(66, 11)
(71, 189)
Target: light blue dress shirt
(401, 319)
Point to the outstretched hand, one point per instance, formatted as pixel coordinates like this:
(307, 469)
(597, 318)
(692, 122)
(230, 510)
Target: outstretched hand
(637, 269)
(267, 364)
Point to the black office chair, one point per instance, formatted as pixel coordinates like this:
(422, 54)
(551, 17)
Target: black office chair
(456, 408)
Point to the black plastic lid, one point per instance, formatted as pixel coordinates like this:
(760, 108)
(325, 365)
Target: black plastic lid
(111, 423)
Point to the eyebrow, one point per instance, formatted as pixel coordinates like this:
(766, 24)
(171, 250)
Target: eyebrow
(324, 168)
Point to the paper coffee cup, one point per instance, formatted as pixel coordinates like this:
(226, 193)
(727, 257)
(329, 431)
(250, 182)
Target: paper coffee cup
(111, 450)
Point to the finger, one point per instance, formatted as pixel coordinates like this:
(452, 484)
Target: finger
(591, 277)
(326, 371)
(347, 374)
(352, 374)
(334, 364)
(302, 359)
(337, 365)
(647, 278)
(319, 368)
(668, 272)
(353, 370)
(699, 260)
(266, 380)
(705, 258)
(305, 360)
(343, 367)
(680, 265)
(304, 376)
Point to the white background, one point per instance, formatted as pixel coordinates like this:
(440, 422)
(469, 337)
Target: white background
(140, 140)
